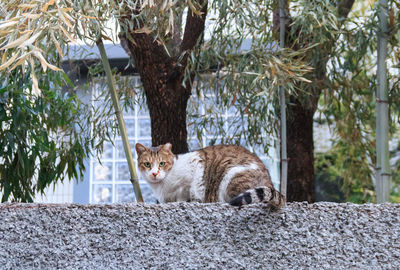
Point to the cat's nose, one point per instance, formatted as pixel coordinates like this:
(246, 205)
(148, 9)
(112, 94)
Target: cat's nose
(154, 174)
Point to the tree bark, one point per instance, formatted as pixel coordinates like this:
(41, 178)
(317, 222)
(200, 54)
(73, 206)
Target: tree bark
(162, 77)
(300, 147)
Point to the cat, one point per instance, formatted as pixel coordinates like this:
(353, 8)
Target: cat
(220, 173)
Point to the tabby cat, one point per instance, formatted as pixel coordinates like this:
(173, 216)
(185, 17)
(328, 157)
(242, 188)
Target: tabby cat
(221, 173)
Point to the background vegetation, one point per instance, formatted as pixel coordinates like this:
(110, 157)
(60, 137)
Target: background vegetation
(328, 72)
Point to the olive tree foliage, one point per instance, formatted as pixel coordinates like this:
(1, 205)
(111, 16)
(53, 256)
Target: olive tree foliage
(46, 131)
(348, 103)
(242, 54)
(342, 79)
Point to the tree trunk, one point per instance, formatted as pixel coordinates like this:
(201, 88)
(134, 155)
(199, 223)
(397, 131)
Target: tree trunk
(167, 102)
(300, 147)
(166, 98)
(162, 75)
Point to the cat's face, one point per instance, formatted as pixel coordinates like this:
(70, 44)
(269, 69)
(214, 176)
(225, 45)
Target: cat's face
(155, 162)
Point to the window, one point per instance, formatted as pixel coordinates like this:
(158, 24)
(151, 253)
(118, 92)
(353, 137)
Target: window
(109, 178)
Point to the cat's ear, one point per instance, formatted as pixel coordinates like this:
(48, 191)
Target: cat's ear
(167, 147)
(140, 148)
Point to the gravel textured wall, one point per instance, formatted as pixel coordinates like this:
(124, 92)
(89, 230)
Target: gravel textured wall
(199, 236)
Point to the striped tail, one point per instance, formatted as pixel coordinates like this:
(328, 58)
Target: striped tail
(259, 194)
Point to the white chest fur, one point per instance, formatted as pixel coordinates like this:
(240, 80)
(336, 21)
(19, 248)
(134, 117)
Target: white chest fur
(184, 182)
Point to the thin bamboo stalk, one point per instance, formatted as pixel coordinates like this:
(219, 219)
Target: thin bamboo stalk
(284, 161)
(121, 122)
(382, 112)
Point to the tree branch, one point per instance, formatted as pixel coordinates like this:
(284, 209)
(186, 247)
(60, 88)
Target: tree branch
(174, 39)
(143, 44)
(139, 43)
(344, 8)
(276, 18)
(194, 27)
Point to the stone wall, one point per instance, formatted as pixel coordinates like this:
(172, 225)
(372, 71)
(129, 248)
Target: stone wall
(199, 236)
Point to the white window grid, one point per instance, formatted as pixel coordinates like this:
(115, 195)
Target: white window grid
(113, 159)
(271, 161)
(105, 190)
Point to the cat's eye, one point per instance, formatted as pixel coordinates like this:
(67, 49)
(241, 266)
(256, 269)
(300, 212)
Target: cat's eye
(147, 164)
(162, 164)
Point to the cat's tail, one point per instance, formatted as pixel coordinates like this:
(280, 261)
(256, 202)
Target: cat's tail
(259, 194)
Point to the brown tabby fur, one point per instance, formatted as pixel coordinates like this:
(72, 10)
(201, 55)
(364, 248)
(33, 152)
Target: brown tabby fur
(220, 159)
(221, 173)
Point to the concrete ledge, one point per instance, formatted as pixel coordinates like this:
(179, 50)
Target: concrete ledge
(199, 236)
